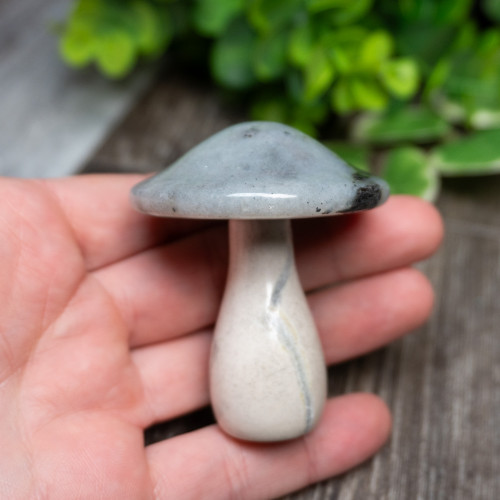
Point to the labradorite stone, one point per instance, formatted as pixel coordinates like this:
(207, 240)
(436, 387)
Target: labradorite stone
(260, 170)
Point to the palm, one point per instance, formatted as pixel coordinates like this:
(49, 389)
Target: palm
(102, 323)
(68, 364)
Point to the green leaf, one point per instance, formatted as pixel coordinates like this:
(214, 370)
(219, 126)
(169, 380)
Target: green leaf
(321, 5)
(452, 11)
(212, 18)
(116, 54)
(304, 124)
(492, 9)
(315, 111)
(476, 154)
(153, 28)
(483, 119)
(343, 61)
(408, 170)
(451, 111)
(114, 34)
(231, 57)
(269, 57)
(376, 48)
(343, 47)
(441, 12)
(354, 154)
(89, 8)
(368, 94)
(437, 77)
(354, 12)
(464, 89)
(406, 124)
(272, 108)
(425, 42)
(341, 99)
(400, 77)
(340, 12)
(146, 32)
(301, 44)
(319, 74)
(77, 46)
(466, 37)
(268, 16)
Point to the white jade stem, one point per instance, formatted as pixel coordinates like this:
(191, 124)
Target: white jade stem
(267, 370)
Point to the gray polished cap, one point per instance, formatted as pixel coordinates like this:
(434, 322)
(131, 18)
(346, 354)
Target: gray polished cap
(258, 170)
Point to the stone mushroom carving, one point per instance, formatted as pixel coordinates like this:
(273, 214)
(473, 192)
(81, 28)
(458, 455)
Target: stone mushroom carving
(267, 370)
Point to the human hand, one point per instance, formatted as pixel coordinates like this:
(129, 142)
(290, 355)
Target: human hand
(105, 319)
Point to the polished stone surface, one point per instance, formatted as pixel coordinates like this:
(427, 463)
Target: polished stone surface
(267, 370)
(258, 170)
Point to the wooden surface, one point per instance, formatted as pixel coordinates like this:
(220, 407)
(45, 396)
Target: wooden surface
(51, 117)
(442, 383)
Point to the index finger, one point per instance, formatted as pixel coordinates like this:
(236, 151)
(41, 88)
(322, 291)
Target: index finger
(106, 226)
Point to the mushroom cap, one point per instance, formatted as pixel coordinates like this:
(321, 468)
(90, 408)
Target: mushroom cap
(258, 170)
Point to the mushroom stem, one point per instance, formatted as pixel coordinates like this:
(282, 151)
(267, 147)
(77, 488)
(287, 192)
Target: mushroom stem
(267, 371)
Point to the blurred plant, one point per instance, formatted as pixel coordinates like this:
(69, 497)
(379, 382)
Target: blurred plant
(113, 34)
(414, 83)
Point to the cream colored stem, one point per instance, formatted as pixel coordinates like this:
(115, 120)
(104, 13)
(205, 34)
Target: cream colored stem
(267, 371)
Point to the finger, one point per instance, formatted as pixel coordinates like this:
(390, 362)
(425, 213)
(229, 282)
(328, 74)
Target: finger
(402, 231)
(364, 315)
(188, 276)
(106, 226)
(174, 376)
(352, 429)
(352, 319)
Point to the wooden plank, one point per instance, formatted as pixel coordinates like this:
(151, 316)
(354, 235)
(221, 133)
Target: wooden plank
(441, 382)
(51, 117)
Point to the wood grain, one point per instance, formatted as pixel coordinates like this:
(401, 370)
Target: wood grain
(441, 383)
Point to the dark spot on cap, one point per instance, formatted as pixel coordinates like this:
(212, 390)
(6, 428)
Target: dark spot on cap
(250, 132)
(174, 209)
(286, 132)
(318, 209)
(366, 197)
(327, 211)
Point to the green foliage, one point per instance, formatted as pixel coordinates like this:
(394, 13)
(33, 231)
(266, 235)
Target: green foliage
(464, 87)
(354, 154)
(269, 57)
(232, 57)
(271, 16)
(389, 73)
(492, 9)
(476, 154)
(212, 18)
(417, 124)
(409, 171)
(340, 12)
(114, 34)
